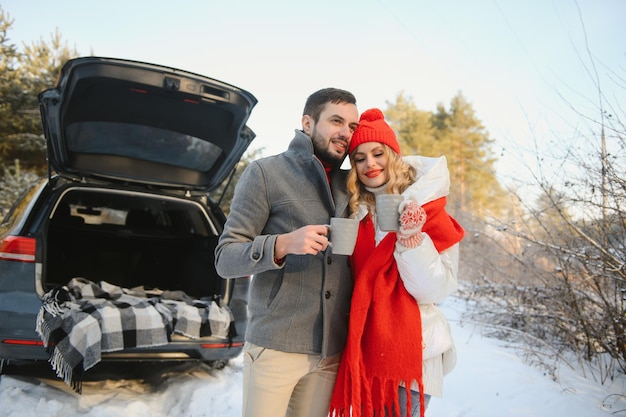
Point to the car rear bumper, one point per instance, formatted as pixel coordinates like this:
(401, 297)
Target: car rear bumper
(179, 349)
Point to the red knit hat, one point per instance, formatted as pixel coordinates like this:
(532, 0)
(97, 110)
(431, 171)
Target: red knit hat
(372, 128)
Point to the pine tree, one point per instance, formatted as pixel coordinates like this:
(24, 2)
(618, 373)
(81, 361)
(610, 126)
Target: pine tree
(414, 127)
(460, 136)
(11, 84)
(23, 75)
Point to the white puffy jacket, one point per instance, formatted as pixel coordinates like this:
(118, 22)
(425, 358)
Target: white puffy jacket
(429, 276)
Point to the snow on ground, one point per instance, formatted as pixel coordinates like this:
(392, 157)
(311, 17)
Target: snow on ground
(490, 380)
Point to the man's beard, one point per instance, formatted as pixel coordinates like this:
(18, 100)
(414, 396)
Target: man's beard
(322, 151)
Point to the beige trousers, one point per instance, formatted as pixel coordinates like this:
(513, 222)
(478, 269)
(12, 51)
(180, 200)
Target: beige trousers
(277, 384)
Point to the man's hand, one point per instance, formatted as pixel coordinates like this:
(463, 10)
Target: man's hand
(307, 240)
(412, 219)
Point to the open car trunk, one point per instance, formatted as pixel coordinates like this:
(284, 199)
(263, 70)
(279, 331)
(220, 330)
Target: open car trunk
(133, 239)
(134, 149)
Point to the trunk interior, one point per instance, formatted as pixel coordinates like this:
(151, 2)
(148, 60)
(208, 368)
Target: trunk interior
(132, 240)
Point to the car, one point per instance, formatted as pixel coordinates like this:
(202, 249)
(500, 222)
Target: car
(135, 151)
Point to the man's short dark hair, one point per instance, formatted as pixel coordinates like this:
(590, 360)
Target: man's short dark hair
(317, 101)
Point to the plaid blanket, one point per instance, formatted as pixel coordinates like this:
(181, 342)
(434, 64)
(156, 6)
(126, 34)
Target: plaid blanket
(81, 320)
(199, 318)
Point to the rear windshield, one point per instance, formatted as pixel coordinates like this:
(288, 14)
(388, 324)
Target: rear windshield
(142, 142)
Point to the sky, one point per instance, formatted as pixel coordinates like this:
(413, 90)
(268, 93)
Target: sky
(521, 65)
(490, 380)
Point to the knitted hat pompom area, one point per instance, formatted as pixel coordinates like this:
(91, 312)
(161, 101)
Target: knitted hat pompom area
(373, 128)
(371, 115)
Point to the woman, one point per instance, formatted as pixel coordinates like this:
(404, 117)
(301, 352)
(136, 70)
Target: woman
(397, 338)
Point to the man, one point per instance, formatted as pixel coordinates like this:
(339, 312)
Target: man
(300, 292)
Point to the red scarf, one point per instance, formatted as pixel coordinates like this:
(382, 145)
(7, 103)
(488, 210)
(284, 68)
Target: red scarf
(443, 229)
(384, 346)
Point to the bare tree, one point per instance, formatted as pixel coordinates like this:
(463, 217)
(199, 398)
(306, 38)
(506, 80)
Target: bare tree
(556, 269)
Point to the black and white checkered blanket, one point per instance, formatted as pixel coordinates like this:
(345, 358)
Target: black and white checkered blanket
(81, 320)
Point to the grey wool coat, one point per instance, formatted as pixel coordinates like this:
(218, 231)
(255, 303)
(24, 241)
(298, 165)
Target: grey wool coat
(301, 306)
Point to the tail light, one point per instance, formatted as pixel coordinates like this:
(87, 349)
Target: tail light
(23, 342)
(17, 248)
(221, 345)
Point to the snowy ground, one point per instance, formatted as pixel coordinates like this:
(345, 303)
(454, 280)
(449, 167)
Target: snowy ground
(490, 380)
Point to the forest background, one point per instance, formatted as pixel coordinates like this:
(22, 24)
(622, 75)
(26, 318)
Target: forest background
(543, 262)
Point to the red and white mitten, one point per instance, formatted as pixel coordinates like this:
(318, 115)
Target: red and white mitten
(412, 219)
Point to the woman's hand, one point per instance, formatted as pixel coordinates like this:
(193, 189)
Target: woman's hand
(412, 219)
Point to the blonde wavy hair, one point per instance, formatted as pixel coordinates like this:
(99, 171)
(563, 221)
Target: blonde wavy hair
(401, 176)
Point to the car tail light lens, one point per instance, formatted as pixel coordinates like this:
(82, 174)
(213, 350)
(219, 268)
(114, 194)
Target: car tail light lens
(220, 345)
(17, 248)
(23, 342)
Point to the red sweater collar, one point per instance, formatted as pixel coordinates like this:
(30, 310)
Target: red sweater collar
(327, 167)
